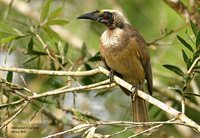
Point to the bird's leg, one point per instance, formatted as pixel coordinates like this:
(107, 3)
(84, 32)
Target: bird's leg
(111, 75)
(134, 93)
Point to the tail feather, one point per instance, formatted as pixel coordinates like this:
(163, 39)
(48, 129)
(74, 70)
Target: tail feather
(140, 113)
(139, 110)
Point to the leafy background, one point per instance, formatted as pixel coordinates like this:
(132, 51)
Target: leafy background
(74, 45)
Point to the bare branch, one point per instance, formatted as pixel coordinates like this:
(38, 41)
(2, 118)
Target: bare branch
(177, 114)
(150, 99)
(156, 41)
(193, 64)
(56, 92)
(48, 72)
(184, 12)
(19, 110)
(180, 8)
(75, 129)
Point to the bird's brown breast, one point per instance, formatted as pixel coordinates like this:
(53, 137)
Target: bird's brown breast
(121, 54)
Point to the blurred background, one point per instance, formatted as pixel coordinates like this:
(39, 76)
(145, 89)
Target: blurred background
(75, 45)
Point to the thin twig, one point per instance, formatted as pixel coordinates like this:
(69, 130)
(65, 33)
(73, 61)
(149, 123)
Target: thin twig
(155, 42)
(193, 64)
(75, 129)
(152, 128)
(49, 72)
(12, 103)
(56, 92)
(48, 52)
(180, 8)
(119, 132)
(20, 109)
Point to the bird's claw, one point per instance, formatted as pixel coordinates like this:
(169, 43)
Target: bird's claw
(134, 93)
(111, 75)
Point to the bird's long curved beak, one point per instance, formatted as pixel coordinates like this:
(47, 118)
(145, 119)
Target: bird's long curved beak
(91, 16)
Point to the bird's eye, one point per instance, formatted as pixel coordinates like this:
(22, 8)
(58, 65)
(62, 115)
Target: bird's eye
(107, 16)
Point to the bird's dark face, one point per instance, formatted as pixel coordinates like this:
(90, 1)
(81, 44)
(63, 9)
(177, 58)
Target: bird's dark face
(104, 17)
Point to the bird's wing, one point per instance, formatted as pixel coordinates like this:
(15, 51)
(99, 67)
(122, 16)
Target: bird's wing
(144, 56)
(104, 61)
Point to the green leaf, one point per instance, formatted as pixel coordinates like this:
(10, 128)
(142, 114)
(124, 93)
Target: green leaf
(84, 50)
(8, 39)
(39, 53)
(198, 40)
(30, 46)
(56, 22)
(185, 57)
(185, 43)
(87, 66)
(174, 69)
(96, 57)
(197, 67)
(9, 76)
(66, 46)
(55, 13)
(194, 27)
(7, 29)
(52, 34)
(45, 11)
(61, 51)
(52, 65)
(198, 52)
(30, 59)
(176, 88)
(83, 117)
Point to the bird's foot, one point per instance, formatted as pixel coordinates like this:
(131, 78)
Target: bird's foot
(134, 93)
(111, 75)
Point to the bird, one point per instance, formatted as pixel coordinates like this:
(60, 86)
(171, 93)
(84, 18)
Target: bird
(125, 53)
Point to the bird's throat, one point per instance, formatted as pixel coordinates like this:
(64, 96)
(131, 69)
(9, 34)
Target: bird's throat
(113, 39)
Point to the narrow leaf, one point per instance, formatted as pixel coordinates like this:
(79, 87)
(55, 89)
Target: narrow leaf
(174, 69)
(197, 67)
(56, 22)
(185, 43)
(52, 65)
(198, 52)
(30, 59)
(9, 76)
(30, 46)
(8, 39)
(61, 51)
(66, 46)
(45, 11)
(55, 13)
(87, 66)
(52, 34)
(5, 28)
(194, 28)
(96, 57)
(185, 57)
(198, 40)
(84, 50)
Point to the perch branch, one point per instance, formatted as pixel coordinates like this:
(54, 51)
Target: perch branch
(177, 114)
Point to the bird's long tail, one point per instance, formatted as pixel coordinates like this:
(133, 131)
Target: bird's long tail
(139, 109)
(140, 113)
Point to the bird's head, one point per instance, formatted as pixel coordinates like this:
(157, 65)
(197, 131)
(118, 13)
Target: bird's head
(111, 18)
